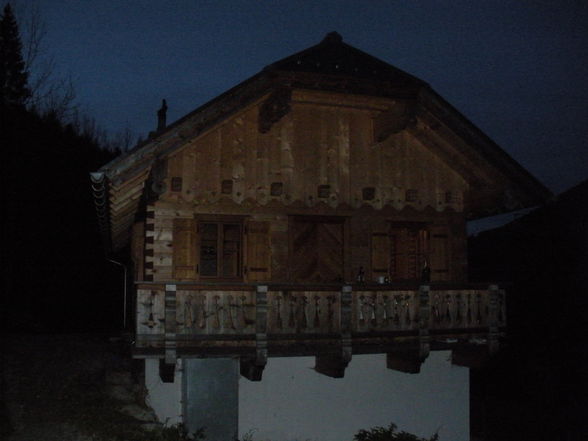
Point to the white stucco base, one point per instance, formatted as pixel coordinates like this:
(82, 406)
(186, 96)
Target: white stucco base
(164, 398)
(293, 402)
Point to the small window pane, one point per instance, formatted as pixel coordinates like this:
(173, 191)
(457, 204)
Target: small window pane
(209, 250)
(231, 250)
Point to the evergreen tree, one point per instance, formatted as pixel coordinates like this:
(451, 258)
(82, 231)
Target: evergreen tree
(14, 90)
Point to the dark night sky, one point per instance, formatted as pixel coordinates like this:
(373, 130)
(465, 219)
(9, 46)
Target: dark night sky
(517, 69)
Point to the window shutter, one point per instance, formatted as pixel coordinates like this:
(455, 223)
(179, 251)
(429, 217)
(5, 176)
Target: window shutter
(258, 254)
(381, 252)
(440, 254)
(404, 243)
(185, 249)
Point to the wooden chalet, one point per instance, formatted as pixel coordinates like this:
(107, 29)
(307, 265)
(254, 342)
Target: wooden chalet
(318, 208)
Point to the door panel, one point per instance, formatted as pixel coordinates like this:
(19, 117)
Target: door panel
(317, 248)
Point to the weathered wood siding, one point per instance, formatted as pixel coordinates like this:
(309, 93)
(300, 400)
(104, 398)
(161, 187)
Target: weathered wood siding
(325, 140)
(269, 255)
(321, 158)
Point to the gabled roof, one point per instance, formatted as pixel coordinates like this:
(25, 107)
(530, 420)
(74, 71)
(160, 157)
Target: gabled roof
(332, 56)
(334, 66)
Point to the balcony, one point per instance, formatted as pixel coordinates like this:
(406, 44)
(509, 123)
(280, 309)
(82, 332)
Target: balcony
(329, 322)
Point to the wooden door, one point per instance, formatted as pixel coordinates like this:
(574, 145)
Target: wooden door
(316, 250)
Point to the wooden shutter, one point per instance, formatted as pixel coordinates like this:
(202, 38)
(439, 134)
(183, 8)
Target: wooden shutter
(409, 247)
(404, 244)
(258, 251)
(381, 253)
(440, 255)
(185, 253)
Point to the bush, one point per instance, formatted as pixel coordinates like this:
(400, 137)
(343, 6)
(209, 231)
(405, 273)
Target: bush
(389, 434)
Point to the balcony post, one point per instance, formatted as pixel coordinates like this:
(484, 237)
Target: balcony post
(333, 365)
(493, 300)
(251, 367)
(167, 365)
(424, 318)
(409, 359)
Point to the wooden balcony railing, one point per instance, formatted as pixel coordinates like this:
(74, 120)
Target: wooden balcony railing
(253, 321)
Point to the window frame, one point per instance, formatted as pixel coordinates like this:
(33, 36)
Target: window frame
(220, 221)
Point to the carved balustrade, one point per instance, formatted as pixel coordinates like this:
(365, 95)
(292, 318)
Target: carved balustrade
(207, 312)
(385, 311)
(215, 312)
(303, 312)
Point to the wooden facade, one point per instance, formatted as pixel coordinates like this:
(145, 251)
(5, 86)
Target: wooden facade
(311, 208)
(313, 199)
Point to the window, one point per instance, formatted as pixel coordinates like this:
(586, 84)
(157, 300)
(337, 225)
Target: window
(221, 249)
(411, 195)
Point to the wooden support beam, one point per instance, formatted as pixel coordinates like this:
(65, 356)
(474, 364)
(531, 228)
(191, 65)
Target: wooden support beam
(167, 371)
(470, 356)
(395, 119)
(274, 108)
(404, 361)
(331, 365)
(250, 369)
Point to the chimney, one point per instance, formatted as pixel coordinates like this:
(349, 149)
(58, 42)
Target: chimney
(162, 116)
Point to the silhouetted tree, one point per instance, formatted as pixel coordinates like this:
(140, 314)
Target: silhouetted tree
(389, 434)
(14, 90)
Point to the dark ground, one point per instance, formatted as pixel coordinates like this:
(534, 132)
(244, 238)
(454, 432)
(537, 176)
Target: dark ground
(54, 387)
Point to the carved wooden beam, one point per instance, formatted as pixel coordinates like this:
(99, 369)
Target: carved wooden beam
(397, 118)
(274, 108)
